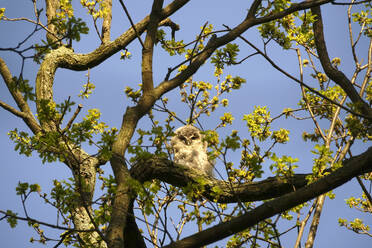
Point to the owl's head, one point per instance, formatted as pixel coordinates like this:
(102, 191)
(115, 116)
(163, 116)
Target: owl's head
(188, 135)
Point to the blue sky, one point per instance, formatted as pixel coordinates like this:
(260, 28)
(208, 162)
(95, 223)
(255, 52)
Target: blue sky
(264, 86)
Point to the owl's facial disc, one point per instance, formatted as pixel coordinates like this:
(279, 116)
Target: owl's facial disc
(195, 136)
(188, 141)
(185, 140)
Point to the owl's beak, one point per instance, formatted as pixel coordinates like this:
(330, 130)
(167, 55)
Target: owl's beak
(188, 142)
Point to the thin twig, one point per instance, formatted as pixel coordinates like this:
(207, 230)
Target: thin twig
(80, 106)
(368, 195)
(353, 3)
(131, 22)
(29, 219)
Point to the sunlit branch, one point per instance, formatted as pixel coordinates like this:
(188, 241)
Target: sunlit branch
(369, 69)
(12, 110)
(106, 25)
(18, 98)
(51, 10)
(69, 124)
(148, 48)
(315, 223)
(303, 224)
(305, 98)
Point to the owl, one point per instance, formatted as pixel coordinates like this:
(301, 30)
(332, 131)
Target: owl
(190, 150)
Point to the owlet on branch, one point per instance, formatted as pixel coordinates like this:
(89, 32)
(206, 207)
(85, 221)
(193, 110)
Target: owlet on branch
(190, 150)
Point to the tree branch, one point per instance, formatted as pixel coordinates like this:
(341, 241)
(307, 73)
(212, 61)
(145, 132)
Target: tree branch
(179, 175)
(51, 10)
(148, 48)
(132, 234)
(32, 220)
(351, 168)
(122, 198)
(12, 110)
(25, 112)
(106, 25)
(337, 76)
(131, 22)
(253, 9)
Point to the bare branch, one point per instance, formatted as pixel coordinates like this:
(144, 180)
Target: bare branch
(12, 110)
(131, 22)
(27, 20)
(44, 223)
(365, 191)
(77, 111)
(305, 98)
(25, 112)
(303, 224)
(315, 223)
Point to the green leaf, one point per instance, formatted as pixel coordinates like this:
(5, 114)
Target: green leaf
(11, 218)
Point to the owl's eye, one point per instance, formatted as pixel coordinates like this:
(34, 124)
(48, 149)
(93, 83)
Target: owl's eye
(194, 137)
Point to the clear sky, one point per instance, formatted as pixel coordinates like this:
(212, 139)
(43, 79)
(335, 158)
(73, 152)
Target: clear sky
(264, 86)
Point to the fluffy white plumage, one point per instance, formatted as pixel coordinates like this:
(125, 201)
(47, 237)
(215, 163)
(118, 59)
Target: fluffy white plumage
(190, 150)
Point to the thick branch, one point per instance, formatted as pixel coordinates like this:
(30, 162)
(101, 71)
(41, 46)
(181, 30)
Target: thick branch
(81, 62)
(253, 9)
(352, 167)
(106, 25)
(121, 206)
(51, 10)
(179, 175)
(134, 238)
(122, 198)
(337, 76)
(148, 49)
